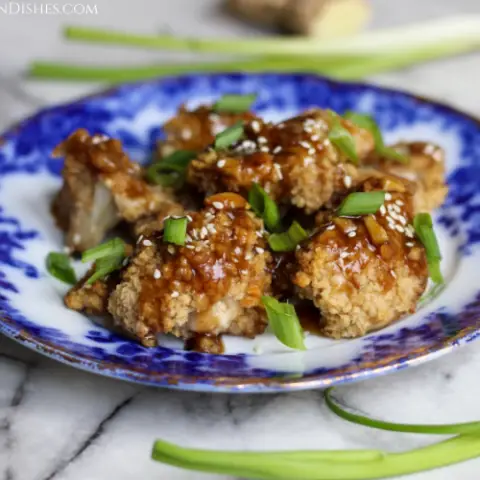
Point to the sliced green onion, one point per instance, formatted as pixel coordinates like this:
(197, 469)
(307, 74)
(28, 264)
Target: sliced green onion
(58, 265)
(264, 207)
(361, 203)
(287, 241)
(320, 465)
(368, 123)
(175, 230)
(108, 257)
(234, 103)
(229, 136)
(423, 225)
(114, 247)
(442, 429)
(106, 265)
(342, 139)
(284, 322)
(171, 170)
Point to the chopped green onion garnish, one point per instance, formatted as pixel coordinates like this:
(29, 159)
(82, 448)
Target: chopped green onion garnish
(264, 207)
(234, 103)
(58, 265)
(361, 203)
(423, 225)
(108, 257)
(170, 171)
(342, 139)
(284, 322)
(114, 247)
(229, 136)
(368, 123)
(106, 265)
(287, 241)
(175, 230)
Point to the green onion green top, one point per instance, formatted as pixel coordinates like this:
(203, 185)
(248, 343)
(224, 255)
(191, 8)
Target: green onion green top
(232, 103)
(342, 139)
(58, 265)
(284, 322)
(175, 230)
(171, 170)
(264, 207)
(287, 241)
(229, 136)
(361, 203)
(108, 257)
(423, 225)
(368, 123)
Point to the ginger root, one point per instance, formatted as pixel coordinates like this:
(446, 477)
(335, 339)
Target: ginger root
(318, 18)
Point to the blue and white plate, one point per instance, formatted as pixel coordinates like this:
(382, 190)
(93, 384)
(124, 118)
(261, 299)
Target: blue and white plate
(31, 308)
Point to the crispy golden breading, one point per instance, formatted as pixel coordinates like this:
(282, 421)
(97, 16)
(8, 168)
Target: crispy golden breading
(91, 299)
(294, 161)
(363, 273)
(426, 169)
(196, 129)
(101, 187)
(212, 285)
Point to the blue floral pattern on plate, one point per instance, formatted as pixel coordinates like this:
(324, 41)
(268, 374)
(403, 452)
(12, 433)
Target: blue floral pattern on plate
(30, 302)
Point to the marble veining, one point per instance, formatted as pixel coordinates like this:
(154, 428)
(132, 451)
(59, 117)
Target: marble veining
(63, 424)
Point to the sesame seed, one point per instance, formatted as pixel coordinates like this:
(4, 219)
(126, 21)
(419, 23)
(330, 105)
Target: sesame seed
(311, 151)
(248, 256)
(399, 202)
(315, 138)
(96, 139)
(259, 235)
(264, 149)
(383, 210)
(409, 244)
(262, 140)
(259, 250)
(237, 250)
(352, 234)
(330, 227)
(307, 161)
(277, 149)
(255, 126)
(175, 294)
(188, 238)
(157, 274)
(186, 134)
(344, 254)
(77, 238)
(147, 243)
(190, 219)
(221, 163)
(393, 274)
(218, 205)
(388, 196)
(400, 228)
(203, 232)
(402, 220)
(171, 249)
(190, 247)
(347, 181)
(140, 238)
(305, 144)
(278, 169)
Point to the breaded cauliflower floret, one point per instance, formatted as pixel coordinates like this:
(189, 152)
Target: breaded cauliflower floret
(426, 168)
(365, 272)
(196, 129)
(293, 161)
(101, 187)
(211, 285)
(91, 299)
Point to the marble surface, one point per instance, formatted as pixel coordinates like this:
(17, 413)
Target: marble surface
(59, 423)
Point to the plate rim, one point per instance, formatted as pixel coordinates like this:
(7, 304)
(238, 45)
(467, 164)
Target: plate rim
(236, 384)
